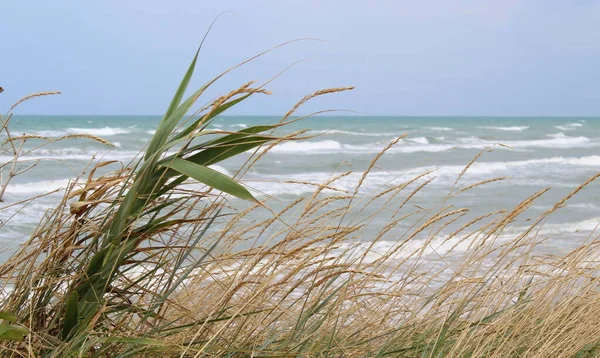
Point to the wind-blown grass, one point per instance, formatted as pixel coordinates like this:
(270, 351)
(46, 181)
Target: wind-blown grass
(137, 263)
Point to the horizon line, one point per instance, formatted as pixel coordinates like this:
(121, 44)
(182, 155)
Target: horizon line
(333, 115)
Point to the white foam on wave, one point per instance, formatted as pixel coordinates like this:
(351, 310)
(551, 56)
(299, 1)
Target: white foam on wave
(444, 175)
(50, 133)
(37, 187)
(557, 135)
(439, 128)
(584, 206)
(362, 134)
(324, 146)
(483, 170)
(491, 167)
(419, 140)
(438, 246)
(19, 216)
(106, 131)
(562, 141)
(510, 129)
(583, 226)
(239, 125)
(569, 126)
(279, 189)
(101, 132)
(421, 144)
(558, 141)
(71, 153)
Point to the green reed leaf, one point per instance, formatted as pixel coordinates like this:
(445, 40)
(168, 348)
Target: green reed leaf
(11, 332)
(211, 178)
(71, 314)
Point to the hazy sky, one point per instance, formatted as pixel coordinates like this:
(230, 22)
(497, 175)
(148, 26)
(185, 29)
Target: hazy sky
(502, 57)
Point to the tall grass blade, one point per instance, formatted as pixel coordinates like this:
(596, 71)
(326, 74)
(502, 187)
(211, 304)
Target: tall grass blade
(211, 178)
(162, 132)
(71, 314)
(11, 332)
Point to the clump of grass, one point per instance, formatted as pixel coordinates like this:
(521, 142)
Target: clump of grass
(135, 263)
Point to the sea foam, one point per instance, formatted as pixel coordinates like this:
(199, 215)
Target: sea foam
(37, 187)
(569, 126)
(309, 147)
(510, 129)
(361, 134)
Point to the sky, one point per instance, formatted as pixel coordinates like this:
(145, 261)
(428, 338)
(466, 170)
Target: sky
(413, 58)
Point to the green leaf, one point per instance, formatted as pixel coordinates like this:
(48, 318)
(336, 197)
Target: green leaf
(160, 136)
(9, 316)
(234, 137)
(212, 115)
(11, 332)
(71, 314)
(213, 155)
(211, 178)
(217, 150)
(205, 157)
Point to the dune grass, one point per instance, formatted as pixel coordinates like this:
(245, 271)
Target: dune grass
(138, 263)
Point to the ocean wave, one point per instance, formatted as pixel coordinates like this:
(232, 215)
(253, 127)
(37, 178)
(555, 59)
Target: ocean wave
(419, 140)
(37, 187)
(50, 133)
(437, 246)
(514, 168)
(584, 206)
(557, 135)
(46, 186)
(569, 126)
(421, 144)
(439, 128)
(559, 141)
(71, 153)
(511, 129)
(566, 142)
(101, 132)
(22, 215)
(445, 175)
(324, 146)
(362, 134)
(239, 125)
(583, 226)
(330, 146)
(482, 168)
(469, 140)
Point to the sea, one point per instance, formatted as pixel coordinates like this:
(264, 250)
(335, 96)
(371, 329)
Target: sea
(531, 154)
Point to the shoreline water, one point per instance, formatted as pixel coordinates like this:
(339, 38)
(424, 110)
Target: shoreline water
(530, 153)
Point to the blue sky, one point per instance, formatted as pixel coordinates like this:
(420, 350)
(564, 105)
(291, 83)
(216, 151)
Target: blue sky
(470, 58)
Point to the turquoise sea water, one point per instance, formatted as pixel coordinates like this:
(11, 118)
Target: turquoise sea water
(536, 153)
